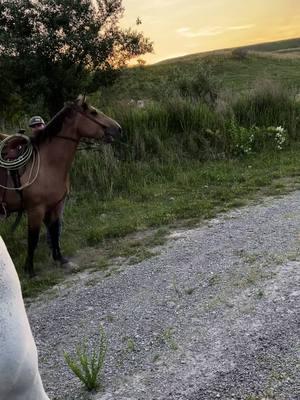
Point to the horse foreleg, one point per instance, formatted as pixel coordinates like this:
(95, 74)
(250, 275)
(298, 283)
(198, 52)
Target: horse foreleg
(54, 230)
(35, 218)
(53, 223)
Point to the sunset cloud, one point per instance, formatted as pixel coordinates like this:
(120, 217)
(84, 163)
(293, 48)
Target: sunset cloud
(211, 30)
(160, 4)
(181, 27)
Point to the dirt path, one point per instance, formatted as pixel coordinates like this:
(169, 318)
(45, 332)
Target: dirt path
(214, 316)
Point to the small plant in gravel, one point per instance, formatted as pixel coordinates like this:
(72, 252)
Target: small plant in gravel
(168, 339)
(87, 364)
(176, 288)
(130, 344)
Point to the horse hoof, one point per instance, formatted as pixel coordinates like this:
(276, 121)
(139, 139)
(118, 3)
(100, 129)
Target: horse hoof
(70, 266)
(60, 259)
(32, 275)
(63, 260)
(29, 272)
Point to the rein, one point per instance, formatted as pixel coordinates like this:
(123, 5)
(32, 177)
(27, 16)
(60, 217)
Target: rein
(67, 138)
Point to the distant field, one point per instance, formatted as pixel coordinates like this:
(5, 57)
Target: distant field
(290, 50)
(282, 45)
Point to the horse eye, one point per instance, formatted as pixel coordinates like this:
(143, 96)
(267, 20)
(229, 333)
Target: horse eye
(94, 112)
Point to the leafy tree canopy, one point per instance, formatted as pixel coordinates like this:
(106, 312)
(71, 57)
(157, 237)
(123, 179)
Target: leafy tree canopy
(54, 49)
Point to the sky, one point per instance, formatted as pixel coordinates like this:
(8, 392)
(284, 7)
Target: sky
(180, 27)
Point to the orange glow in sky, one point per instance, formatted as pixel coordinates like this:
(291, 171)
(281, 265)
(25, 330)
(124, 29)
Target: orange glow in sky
(179, 27)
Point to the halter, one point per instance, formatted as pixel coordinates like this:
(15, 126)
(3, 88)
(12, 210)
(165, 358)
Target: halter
(76, 108)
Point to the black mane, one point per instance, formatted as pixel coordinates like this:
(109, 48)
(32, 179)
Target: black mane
(54, 126)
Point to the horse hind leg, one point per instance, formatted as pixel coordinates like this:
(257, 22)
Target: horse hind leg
(35, 218)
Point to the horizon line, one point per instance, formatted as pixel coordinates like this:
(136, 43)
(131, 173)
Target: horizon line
(222, 49)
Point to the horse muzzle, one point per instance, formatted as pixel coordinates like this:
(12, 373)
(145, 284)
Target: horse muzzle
(111, 134)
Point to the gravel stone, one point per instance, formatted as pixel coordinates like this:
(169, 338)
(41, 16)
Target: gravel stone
(214, 316)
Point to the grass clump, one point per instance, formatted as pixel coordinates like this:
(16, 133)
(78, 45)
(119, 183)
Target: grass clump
(268, 103)
(87, 365)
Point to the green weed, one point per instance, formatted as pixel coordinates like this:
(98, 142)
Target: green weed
(86, 364)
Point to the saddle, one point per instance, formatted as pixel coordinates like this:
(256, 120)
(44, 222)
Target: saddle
(13, 148)
(10, 177)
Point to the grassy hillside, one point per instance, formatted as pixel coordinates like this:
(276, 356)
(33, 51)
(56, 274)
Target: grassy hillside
(232, 74)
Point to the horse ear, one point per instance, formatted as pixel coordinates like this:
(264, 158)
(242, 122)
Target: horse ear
(82, 101)
(79, 100)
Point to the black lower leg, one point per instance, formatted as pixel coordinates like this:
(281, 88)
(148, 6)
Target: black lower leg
(33, 238)
(54, 231)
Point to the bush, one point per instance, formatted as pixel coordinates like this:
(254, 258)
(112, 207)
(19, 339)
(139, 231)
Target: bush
(240, 53)
(244, 141)
(201, 86)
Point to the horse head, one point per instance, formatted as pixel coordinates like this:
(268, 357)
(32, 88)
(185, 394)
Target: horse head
(94, 124)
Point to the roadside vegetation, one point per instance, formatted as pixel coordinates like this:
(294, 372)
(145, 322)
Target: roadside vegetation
(203, 137)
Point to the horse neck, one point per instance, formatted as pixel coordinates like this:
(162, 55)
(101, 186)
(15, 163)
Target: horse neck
(59, 152)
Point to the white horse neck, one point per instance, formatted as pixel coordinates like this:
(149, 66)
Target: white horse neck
(19, 374)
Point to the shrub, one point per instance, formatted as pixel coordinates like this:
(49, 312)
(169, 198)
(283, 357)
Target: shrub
(202, 85)
(240, 53)
(244, 141)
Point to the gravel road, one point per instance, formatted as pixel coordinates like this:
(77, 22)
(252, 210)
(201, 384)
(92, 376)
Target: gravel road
(215, 315)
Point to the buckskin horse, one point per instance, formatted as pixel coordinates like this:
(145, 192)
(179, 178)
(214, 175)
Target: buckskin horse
(44, 182)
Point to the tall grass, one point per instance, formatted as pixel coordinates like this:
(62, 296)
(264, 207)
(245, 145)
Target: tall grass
(268, 104)
(183, 128)
(166, 130)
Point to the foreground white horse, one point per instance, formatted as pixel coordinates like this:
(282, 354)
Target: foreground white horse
(19, 374)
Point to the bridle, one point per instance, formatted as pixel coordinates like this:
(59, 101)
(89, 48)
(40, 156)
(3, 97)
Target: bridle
(76, 108)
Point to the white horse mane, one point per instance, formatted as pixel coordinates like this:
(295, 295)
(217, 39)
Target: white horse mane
(19, 375)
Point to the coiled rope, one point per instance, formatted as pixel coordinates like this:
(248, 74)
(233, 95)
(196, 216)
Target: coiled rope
(26, 152)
